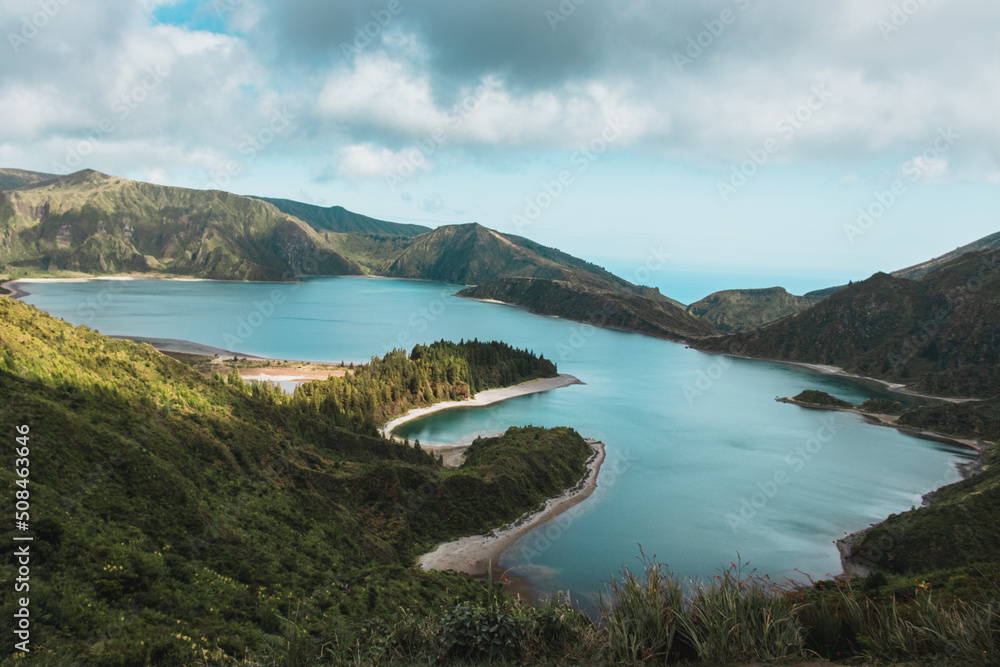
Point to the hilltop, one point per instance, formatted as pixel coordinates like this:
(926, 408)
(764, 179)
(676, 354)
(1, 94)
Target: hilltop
(936, 334)
(89, 223)
(917, 271)
(741, 309)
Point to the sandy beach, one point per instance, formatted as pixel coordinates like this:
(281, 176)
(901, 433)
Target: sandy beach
(473, 555)
(291, 374)
(486, 397)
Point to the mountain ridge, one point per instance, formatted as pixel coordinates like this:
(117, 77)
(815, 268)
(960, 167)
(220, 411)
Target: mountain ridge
(88, 222)
(939, 334)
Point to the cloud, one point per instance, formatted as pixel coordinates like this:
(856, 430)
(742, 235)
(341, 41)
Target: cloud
(485, 76)
(368, 161)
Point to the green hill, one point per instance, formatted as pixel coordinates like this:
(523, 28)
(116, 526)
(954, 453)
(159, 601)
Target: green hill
(991, 242)
(962, 525)
(91, 223)
(339, 219)
(173, 514)
(471, 254)
(604, 307)
(937, 334)
(16, 178)
(741, 309)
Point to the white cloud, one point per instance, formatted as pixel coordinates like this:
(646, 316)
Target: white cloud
(368, 161)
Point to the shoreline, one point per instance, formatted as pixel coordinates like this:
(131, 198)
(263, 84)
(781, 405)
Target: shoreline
(676, 338)
(878, 419)
(855, 568)
(475, 554)
(825, 369)
(484, 398)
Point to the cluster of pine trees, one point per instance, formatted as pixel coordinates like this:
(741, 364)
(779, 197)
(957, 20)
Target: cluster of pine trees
(395, 383)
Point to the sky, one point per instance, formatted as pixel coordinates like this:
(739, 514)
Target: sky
(772, 142)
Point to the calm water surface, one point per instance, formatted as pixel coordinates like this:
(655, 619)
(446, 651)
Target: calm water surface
(703, 465)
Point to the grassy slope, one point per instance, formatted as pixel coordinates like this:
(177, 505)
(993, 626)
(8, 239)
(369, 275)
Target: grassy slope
(603, 307)
(91, 223)
(88, 223)
(16, 178)
(917, 271)
(737, 310)
(165, 504)
(938, 334)
(339, 219)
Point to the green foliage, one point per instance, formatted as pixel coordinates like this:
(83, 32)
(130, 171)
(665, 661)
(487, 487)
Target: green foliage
(974, 419)
(814, 397)
(642, 618)
(738, 310)
(392, 385)
(960, 527)
(742, 617)
(601, 305)
(175, 515)
(91, 223)
(936, 334)
(882, 406)
(922, 626)
(340, 220)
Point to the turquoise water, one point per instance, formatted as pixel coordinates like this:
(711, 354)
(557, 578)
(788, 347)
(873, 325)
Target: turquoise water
(702, 463)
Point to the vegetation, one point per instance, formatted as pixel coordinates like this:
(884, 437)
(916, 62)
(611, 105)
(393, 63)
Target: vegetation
(972, 419)
(88, 223)
(935, 334)
(918, 271)
(339, 219)
(391, 386)
(874, 405)
(813, 397)
(594, 305)
(882, 406)
(16, 178)
(960, 527)
(91, 223)
(741, 309)
(179, 519)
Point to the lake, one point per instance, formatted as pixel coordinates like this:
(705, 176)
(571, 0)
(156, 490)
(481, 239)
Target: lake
(703, 466)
